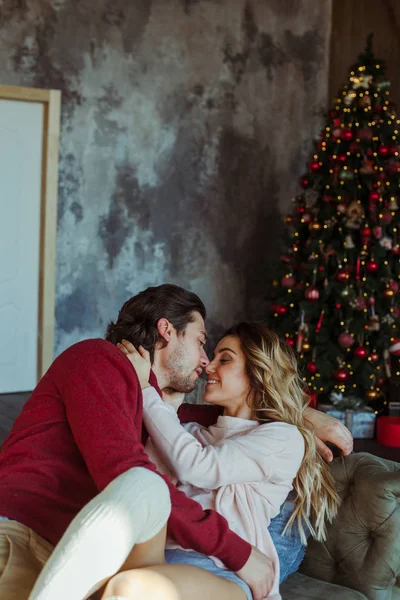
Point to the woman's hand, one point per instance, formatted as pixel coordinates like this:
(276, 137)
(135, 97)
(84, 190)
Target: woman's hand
(140, 359)
(329, 429)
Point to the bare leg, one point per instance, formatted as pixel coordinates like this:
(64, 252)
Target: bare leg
(143, 555)
(147, 554)
(172, 582)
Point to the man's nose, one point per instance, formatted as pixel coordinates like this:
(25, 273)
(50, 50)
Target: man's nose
(204, 359)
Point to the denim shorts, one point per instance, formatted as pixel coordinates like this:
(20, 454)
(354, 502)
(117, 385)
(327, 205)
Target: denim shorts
(289, 547)
(182, 557)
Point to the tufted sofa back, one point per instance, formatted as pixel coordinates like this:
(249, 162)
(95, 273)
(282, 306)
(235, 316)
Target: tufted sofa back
(362, 550)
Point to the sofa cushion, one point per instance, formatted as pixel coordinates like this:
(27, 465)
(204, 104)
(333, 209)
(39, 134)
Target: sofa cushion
(300, 587)
(362, 550)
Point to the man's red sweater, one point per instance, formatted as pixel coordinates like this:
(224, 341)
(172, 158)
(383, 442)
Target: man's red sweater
(79, 430)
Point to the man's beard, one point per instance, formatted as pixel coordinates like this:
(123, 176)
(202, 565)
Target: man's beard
(180, 373)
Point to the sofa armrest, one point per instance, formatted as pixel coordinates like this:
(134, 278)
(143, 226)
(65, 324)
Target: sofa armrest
(362, 550)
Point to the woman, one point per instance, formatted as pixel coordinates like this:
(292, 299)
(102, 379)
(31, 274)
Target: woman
(244, 466)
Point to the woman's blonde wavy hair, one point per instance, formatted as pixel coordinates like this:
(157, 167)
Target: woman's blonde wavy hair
(278, 394)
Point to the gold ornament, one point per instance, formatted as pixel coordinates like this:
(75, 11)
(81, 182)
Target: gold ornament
(306, 346)
(315, 226)
(372, 394)
(288, 219)
(388, 293)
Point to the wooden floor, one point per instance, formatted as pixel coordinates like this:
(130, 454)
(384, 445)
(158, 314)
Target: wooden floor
(11, 405)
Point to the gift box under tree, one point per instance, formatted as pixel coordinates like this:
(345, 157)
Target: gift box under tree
(353, 413)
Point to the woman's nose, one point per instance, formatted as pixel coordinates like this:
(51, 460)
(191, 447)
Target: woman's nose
(210, 367)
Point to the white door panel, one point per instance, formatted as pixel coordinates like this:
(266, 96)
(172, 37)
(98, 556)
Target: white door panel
(21, 144)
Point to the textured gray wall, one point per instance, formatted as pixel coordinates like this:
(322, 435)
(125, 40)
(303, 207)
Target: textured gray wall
(185, 126)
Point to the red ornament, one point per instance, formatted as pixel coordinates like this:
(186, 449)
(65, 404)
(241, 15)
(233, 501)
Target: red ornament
(305, 182)
(383, 150)
(346, 340)
(279, 308)
(313, 398)
(312, 293)
(347, 135)
(396, 249)
(328, 198)
(378, 232)
(286, 258)
(320, 320)
(288, 281)
(342, 275)
(312, 367)
(365, 231)
(394, 348)
(342, 158)
(394, 286)
(374, 196)
(360, 303)
(386, 217)
(306, 217)
(374, 357)
(338, 305)
(360, 352)
(341, 375)
(290, 341)
(314, 166)
(372, 266)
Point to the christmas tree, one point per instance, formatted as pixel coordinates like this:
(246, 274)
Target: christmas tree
(337, 299)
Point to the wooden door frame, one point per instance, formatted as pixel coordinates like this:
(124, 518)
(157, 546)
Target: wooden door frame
(51, 100)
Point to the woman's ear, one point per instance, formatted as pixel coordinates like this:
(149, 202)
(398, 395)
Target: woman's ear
(164, 328)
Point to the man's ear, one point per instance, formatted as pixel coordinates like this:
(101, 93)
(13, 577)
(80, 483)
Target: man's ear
(165, 328)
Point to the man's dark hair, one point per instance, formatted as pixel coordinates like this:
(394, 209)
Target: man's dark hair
(138, 318)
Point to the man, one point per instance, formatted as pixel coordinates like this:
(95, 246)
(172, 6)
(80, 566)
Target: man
(81, 430)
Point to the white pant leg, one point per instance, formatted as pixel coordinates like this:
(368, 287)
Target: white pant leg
(131, 509)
